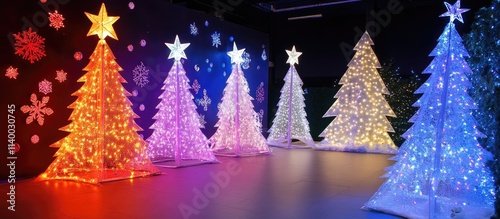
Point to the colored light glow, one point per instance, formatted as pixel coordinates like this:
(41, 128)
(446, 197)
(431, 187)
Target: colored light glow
(290, 121)
(177, 131)
(103, 143)
(360, 111)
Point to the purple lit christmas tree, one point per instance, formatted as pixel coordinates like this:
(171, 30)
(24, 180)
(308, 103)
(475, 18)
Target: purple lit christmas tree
(291, 119)
(177, 139)
(238, 132)
(441, 169)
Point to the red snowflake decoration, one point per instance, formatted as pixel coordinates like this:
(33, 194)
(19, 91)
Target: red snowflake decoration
(45, 86)
(29, 45)
(11, 72)
(56, 20)
(61, 76)
(37, 110)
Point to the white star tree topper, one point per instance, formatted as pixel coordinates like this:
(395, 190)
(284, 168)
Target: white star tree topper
(177, 49)
(293, 56)
(454, 11)
(236, 55)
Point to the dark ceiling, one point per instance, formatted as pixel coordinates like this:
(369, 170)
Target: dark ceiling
(257, 14)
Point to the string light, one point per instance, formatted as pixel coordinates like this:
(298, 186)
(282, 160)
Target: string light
(103, 143)
(360, 111)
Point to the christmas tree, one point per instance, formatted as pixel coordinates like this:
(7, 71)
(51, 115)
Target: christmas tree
(290, 121)
(177, 139)
(483, 42)
(440, 169)
(238, 131)
(103, 143)
(360, 111)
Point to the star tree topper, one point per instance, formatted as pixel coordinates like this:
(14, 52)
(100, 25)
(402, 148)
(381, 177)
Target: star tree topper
(454, 11)
(293, 56)
(236, 55)
(102, 24)
(177, 49)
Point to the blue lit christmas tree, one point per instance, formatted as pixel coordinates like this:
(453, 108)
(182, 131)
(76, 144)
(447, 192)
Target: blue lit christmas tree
(441, 169)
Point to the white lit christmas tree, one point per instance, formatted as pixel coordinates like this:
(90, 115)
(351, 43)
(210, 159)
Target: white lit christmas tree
(290, 121)
(103, 143)
(360, 111)
(441, 170)
(238, 132)
(177, 139)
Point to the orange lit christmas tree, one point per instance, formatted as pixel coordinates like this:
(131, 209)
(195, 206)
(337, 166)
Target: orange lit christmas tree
(103, 143)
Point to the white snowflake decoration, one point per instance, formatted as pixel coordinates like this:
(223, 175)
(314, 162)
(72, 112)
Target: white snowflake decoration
(196, 86)
(202, 120)
(61, 76)
(140, 75)
(45, 86)
(11, 72)
(258, 117)
(193, 29)
(37, 110)
(216, 39)
(264, 55)
(246, 60)
(205, 101)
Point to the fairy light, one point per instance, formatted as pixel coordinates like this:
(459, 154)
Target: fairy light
(450, 166)
(177, 134)
(238, 133)
(360, 111)
(103, 143)
(291, 119)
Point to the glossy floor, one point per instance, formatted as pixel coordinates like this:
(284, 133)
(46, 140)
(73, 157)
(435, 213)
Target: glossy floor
(289, 184)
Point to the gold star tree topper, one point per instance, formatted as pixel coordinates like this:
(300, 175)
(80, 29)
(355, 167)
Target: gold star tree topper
(177, 49)
(102, 24)
(293, 56)
(236, 55)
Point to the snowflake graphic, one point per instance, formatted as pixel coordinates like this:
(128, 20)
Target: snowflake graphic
(260, 93)
(201, 117)
(193, 29)
(205, 101)
(56, 20)
(61, 76)
(37, 110)
(45, 86)
(196, 86)
(216, 39)
(246, 60)
(264, 55)
(11, 72)
(29, 45)
(140, 74)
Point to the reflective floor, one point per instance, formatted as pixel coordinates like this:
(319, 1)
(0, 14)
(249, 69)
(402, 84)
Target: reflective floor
(288, 184)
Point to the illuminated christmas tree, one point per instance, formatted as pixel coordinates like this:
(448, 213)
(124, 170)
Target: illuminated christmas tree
(441, 169)
(483, 42)
(103, 143)
(290, 121)
(238, 132)
(360, 111)
(177, 139)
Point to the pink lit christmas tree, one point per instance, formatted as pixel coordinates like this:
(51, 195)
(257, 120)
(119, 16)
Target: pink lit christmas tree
(291, 119)
(238, 132)
(103, 143)
(441, 170)
(177, 139)
(360, 111)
